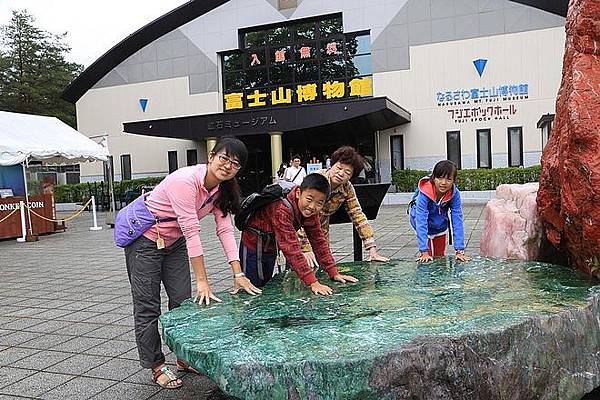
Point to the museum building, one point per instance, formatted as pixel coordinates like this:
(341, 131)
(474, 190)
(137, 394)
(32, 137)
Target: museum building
(407, 82)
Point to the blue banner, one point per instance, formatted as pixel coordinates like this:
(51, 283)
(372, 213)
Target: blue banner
(12, 178)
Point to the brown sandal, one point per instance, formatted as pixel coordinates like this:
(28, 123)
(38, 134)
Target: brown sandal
(185, 367)
(169, 374)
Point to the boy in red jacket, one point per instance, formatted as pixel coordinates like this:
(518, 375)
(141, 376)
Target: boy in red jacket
(276, 225)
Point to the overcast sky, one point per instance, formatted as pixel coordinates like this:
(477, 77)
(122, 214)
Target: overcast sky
(92, 27)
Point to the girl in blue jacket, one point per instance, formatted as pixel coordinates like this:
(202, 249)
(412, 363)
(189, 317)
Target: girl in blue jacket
(437, 195)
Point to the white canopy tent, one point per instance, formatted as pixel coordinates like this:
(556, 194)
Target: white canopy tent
(25, 137)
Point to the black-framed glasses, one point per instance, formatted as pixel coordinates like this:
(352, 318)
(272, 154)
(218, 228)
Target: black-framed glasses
(224, 160)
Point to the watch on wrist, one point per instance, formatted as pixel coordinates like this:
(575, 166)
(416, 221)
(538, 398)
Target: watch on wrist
(462, 252)
(239, 275)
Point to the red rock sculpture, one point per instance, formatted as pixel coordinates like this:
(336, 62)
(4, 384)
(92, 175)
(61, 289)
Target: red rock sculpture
(569, 195)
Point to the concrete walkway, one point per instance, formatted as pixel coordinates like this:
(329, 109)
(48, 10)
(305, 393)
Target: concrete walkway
(66, 327)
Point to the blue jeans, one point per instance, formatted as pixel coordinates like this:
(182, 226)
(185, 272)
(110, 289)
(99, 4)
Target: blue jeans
(250, 265)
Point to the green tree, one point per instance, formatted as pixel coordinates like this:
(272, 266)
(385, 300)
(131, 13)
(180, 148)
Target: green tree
(33, 70)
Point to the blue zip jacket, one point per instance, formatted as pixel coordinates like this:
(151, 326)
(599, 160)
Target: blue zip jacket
(429, 217)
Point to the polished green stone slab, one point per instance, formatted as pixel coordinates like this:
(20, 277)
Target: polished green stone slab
(377, 338)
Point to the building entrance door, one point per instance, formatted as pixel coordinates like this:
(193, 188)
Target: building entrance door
(323, 141)
(256, 174)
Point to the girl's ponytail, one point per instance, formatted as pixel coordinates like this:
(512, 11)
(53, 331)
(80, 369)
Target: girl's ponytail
(229, 197)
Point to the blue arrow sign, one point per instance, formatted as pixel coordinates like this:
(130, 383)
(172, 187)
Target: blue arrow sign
(143, 104)
(480, 65)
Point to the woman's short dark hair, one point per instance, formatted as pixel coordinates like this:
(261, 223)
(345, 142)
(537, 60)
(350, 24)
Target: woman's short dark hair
(349, 155)
(445, 169)
(317, 182)
(228, 200)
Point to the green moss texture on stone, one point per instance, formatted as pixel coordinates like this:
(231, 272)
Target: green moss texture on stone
(483, 329)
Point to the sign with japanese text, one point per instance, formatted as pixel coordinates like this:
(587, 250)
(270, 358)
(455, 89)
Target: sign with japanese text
(482, 113)
(4, 193)
(250, 121)
(477, 103)
(298, 94)
(296, 62)
(314, 167)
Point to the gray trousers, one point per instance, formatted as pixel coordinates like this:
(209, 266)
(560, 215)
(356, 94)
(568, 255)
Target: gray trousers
(147, 267)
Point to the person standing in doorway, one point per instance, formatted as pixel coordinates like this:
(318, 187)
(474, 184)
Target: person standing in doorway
(295, 173)
(280, 175)
(164, 252)
(327, 162)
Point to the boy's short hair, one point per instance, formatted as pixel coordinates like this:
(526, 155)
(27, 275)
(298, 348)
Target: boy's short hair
(445, 169)
(317, 182)
(296, 156)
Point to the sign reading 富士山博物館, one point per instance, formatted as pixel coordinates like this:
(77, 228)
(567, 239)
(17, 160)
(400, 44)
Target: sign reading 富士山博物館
(299, 62)
(307, 93)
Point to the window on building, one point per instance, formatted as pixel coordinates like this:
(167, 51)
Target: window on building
(72, 178)
(397, 152)
(453, 147)
(515, 146)
(279, 35)
(546, 131)
(256, 38)
(192, 157)
(314, 53)
(173, 161)
(545, 124)
(125, 167)
(359, 54)
(109, 169)
(484, 148)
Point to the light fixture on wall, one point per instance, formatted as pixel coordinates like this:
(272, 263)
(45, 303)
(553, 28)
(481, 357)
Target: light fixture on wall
(286, 4)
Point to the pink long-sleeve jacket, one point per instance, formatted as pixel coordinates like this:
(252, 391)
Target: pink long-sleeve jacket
(182, 195)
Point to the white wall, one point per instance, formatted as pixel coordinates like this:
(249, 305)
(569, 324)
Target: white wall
(104, 110)
(533, 57)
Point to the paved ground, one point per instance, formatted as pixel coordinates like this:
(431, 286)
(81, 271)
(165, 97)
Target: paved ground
(66, 330)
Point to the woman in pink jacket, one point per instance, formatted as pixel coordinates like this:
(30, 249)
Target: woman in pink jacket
(164, 252)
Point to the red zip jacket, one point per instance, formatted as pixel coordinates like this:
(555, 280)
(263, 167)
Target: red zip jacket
(279, 219)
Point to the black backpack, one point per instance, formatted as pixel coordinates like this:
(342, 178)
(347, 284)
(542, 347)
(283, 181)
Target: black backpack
(258, 200)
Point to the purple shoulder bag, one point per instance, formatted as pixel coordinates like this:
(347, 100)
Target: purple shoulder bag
(133, 220)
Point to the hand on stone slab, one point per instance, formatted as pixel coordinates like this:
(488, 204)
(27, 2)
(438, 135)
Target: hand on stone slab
(344, 278)
(375, 256)
(204, 294)
(424, 257)
(461, 256)
(241, 282)
(319, 288)
(311, 259)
